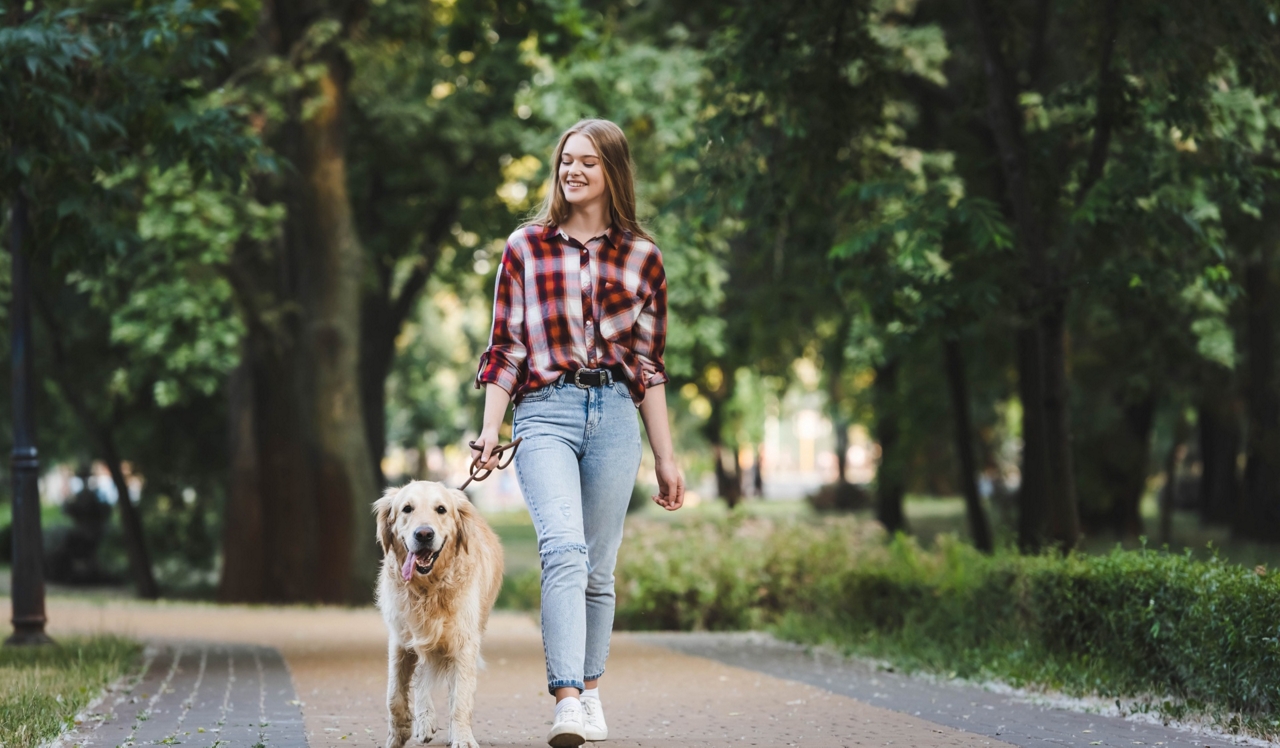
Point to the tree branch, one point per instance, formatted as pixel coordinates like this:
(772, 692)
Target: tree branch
(1108, 104)
(1039, 45)
(1005, 120)
(403, 302)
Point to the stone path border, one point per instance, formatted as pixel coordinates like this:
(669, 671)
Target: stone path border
(199, 695)
(960, 706)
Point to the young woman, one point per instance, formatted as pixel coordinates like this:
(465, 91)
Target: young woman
(579, 326)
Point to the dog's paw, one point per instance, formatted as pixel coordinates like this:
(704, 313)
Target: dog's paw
(462, 738)
(424, 727)
(397, 736)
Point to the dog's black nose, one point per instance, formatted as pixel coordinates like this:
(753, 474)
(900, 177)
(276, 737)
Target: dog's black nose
(424, 535)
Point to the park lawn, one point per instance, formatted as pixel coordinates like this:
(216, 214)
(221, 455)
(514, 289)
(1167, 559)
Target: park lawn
(42, 689)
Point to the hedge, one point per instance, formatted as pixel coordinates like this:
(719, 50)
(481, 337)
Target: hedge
(1196, 634)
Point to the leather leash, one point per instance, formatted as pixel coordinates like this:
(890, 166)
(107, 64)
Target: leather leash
(479, 472)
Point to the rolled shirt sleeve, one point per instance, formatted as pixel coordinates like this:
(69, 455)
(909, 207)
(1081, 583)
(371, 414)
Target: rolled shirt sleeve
(650, 331)
(504, 362)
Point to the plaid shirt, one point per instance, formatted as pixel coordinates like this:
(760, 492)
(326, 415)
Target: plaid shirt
(560, 306)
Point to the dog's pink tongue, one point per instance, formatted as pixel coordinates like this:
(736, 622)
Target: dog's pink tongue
(407, 571)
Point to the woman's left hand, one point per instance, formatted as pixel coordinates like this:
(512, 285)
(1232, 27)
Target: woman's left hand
(670, 485)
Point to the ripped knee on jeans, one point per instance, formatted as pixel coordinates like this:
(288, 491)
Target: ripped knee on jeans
(553, 550)
(567, 557)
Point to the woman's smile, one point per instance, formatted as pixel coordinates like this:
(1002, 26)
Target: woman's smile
(581, 175)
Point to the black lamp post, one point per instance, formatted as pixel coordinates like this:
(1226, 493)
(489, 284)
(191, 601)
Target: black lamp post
(27, 593)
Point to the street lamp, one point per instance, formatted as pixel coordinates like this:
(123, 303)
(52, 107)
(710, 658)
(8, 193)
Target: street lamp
(27, 593)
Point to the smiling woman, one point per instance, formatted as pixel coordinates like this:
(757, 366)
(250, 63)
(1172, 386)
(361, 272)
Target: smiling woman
(579, 328)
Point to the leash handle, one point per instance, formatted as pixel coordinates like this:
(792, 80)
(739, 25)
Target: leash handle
(479, 472)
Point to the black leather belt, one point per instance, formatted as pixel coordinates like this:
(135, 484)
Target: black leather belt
(585, 378)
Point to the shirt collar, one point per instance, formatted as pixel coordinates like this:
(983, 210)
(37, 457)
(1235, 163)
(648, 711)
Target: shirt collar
(610, 235)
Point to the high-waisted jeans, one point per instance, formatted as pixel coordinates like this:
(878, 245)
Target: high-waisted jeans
(577, 467)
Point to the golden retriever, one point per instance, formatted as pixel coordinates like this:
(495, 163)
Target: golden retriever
(441, 571)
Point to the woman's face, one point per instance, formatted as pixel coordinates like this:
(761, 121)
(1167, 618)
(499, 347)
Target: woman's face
(581, 175)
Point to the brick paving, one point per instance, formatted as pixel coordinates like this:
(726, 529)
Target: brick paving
(199, 694)
(661, 689)
(654, 696)
(961, 706)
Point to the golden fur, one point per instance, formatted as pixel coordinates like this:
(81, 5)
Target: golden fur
(435, 620)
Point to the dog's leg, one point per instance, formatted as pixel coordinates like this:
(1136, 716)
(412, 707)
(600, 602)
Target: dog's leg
(462, 696)
(424, 712)
(400, 666)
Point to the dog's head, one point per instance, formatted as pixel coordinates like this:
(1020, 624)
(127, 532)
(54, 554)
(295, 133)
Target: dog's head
(422, 520)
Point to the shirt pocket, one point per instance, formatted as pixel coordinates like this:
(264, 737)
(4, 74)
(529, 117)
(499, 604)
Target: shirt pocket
(620, 306)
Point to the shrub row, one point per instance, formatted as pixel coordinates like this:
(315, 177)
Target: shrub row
(1127, 623)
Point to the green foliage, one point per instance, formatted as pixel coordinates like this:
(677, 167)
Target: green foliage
(43, 688)
(83, 87)
(1126, 624)
(521, 591)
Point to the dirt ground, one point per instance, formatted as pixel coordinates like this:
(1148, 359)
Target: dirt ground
(652, 696)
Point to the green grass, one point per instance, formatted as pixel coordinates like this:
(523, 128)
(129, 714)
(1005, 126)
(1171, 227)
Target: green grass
(43, 688)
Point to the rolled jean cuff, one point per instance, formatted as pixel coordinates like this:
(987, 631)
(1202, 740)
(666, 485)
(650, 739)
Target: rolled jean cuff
(553, 685)
(597, 676)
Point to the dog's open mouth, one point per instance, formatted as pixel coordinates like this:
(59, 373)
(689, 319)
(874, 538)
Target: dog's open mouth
(422, 562)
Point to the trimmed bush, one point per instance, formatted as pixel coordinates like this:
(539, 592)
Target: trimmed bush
(1123, 624)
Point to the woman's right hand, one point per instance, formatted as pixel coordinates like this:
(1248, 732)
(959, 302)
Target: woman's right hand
(484, 444)
(496, 401)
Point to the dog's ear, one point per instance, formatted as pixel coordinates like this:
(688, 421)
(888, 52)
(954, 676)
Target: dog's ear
(383, 510)
(466, 515)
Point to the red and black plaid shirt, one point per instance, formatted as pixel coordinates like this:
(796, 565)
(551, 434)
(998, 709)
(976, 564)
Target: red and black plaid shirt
(560, 306)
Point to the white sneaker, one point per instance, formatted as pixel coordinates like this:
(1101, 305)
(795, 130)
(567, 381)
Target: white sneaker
(567, 731)
(593, 726)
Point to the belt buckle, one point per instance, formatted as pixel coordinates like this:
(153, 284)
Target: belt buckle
(577, 380)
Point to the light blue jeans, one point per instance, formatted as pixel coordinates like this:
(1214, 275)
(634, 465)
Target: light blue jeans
(577, 467)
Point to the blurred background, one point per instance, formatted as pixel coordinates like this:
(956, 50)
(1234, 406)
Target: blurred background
(1006, 269)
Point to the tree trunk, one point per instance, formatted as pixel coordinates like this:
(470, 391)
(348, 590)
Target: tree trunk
(1063, 527)
(890, 475)
(243, 547)
(99, 430)
(728, 482)
(1052, 482)
(383, 311)
(377, 354)
(130, 522)
(1139, 419)
(757, 473)
(1219, 432)
(958, 389)
(835, 365)
(315, 476)
(1259, 514)
(1172, 461)
(841, 427)
(1033, 487)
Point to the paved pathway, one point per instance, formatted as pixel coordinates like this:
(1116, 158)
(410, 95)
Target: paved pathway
(957, 705)
(661, 689)
(654, 696)
(195, 694)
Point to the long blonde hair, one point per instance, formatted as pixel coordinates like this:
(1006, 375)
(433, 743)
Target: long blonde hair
(619, 179)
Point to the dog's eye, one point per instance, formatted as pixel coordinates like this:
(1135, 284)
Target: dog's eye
(407, 508)
(440, 510)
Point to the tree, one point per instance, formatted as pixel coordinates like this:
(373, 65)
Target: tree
(1060, 116)
(72, 141)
